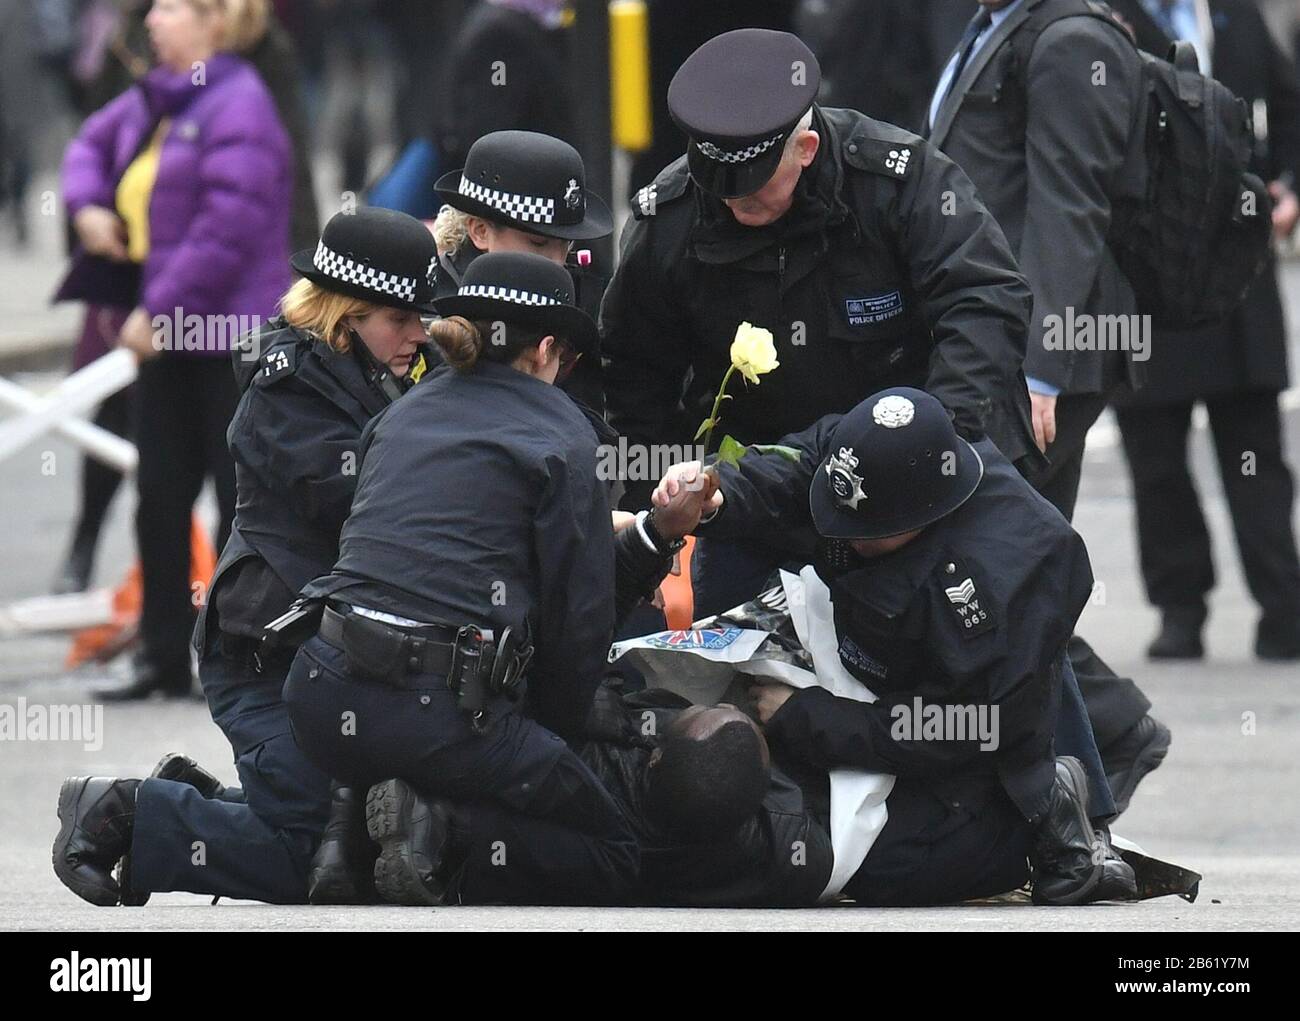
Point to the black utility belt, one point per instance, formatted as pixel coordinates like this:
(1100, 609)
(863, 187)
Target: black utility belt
(475, 664)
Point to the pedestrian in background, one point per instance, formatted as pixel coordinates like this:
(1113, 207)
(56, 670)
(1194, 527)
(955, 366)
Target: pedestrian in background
(189, 175)
(1236, 368)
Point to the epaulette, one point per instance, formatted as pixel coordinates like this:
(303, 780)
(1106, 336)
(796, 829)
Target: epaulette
(881, 156)
(280, 361)
(669, 186)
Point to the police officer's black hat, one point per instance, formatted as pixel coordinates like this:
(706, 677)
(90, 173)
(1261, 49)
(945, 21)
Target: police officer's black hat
(520, 287)
(378, 255)
(896, 464)
(738, 97)
(528, 181)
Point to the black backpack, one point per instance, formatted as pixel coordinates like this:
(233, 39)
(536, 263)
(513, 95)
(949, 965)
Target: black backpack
(1190, 224)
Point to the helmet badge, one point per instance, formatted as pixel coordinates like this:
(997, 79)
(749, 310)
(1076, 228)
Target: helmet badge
(845, 483)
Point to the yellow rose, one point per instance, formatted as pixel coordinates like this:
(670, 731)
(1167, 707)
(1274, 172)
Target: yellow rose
(752, 352)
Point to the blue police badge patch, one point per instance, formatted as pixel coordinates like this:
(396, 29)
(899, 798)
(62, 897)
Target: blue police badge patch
(855, 658)
(876, 308)
(710, 638)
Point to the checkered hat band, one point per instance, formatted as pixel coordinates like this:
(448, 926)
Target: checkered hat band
(505, 294)
(341, 268)
(524, 208)
(740, 155)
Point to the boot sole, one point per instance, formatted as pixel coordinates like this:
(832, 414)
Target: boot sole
(1147, 761)
(69, 794)
(1086, 892)
(397, 878)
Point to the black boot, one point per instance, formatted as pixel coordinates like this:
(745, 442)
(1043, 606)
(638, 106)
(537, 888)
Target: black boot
(170, 680)
(183, 769)
(96, 816)
(343, 869)
(1180, 634)
(1278, 638)
(1131, 757)
(1118, 881)
(1067, 858)
(412, 832)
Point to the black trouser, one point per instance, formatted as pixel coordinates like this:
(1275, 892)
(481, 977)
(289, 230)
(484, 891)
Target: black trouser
(541, 828)
(1059, 481)
(1177, 565)
(1114, 703)
(257, 841)
(183, 405)
(99, 481)
(943, 846)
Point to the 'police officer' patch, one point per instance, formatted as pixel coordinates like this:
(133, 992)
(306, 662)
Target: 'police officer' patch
(855, 658)
(875, 308)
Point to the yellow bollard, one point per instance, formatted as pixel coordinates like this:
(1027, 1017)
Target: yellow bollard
(629, 75)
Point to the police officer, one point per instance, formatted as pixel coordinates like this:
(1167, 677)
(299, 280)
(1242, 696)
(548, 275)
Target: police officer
(955, 587)
(521, 191)
(864, 250)
(347, 343)
(469, 615)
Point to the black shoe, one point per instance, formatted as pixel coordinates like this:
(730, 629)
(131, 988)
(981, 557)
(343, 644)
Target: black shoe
(1132, 757)
(183, 769)
(180, 769)
(1118, 880)
(1278, 639)
(74, 575)
(96, 816)
(173, 680)
(1067, 860)
(412, 833)
(343, 868)
(1180, 635)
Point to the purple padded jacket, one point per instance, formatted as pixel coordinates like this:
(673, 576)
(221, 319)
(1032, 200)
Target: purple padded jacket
(219, 210)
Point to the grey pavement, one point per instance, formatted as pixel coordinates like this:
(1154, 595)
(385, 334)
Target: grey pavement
(1224, 802)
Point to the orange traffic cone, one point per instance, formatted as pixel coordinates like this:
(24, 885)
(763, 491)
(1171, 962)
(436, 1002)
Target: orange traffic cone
(679, 598)
(104, 641)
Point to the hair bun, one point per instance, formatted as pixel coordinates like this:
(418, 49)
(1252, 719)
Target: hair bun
(459, 340)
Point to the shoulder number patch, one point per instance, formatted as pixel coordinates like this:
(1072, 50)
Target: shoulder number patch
(973, 614)
(275, 364)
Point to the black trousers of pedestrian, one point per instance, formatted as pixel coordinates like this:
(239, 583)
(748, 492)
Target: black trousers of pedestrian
(1059, 481)
(99, 482)
(944, 845)
(183, 405)
(1114, 703)
(541, 829)
(1174, 542)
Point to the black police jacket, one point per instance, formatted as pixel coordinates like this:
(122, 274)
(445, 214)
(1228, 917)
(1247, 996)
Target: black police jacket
(780, 857)
(478, 503)
(975, 611)
(294, 438)
(887, 271)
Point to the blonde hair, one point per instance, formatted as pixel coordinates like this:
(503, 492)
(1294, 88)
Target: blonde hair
(244, 22)
(450, 229)
(308, 306)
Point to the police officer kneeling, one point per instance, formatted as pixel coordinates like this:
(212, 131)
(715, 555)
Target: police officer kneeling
(470, 610)
(955, 588)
